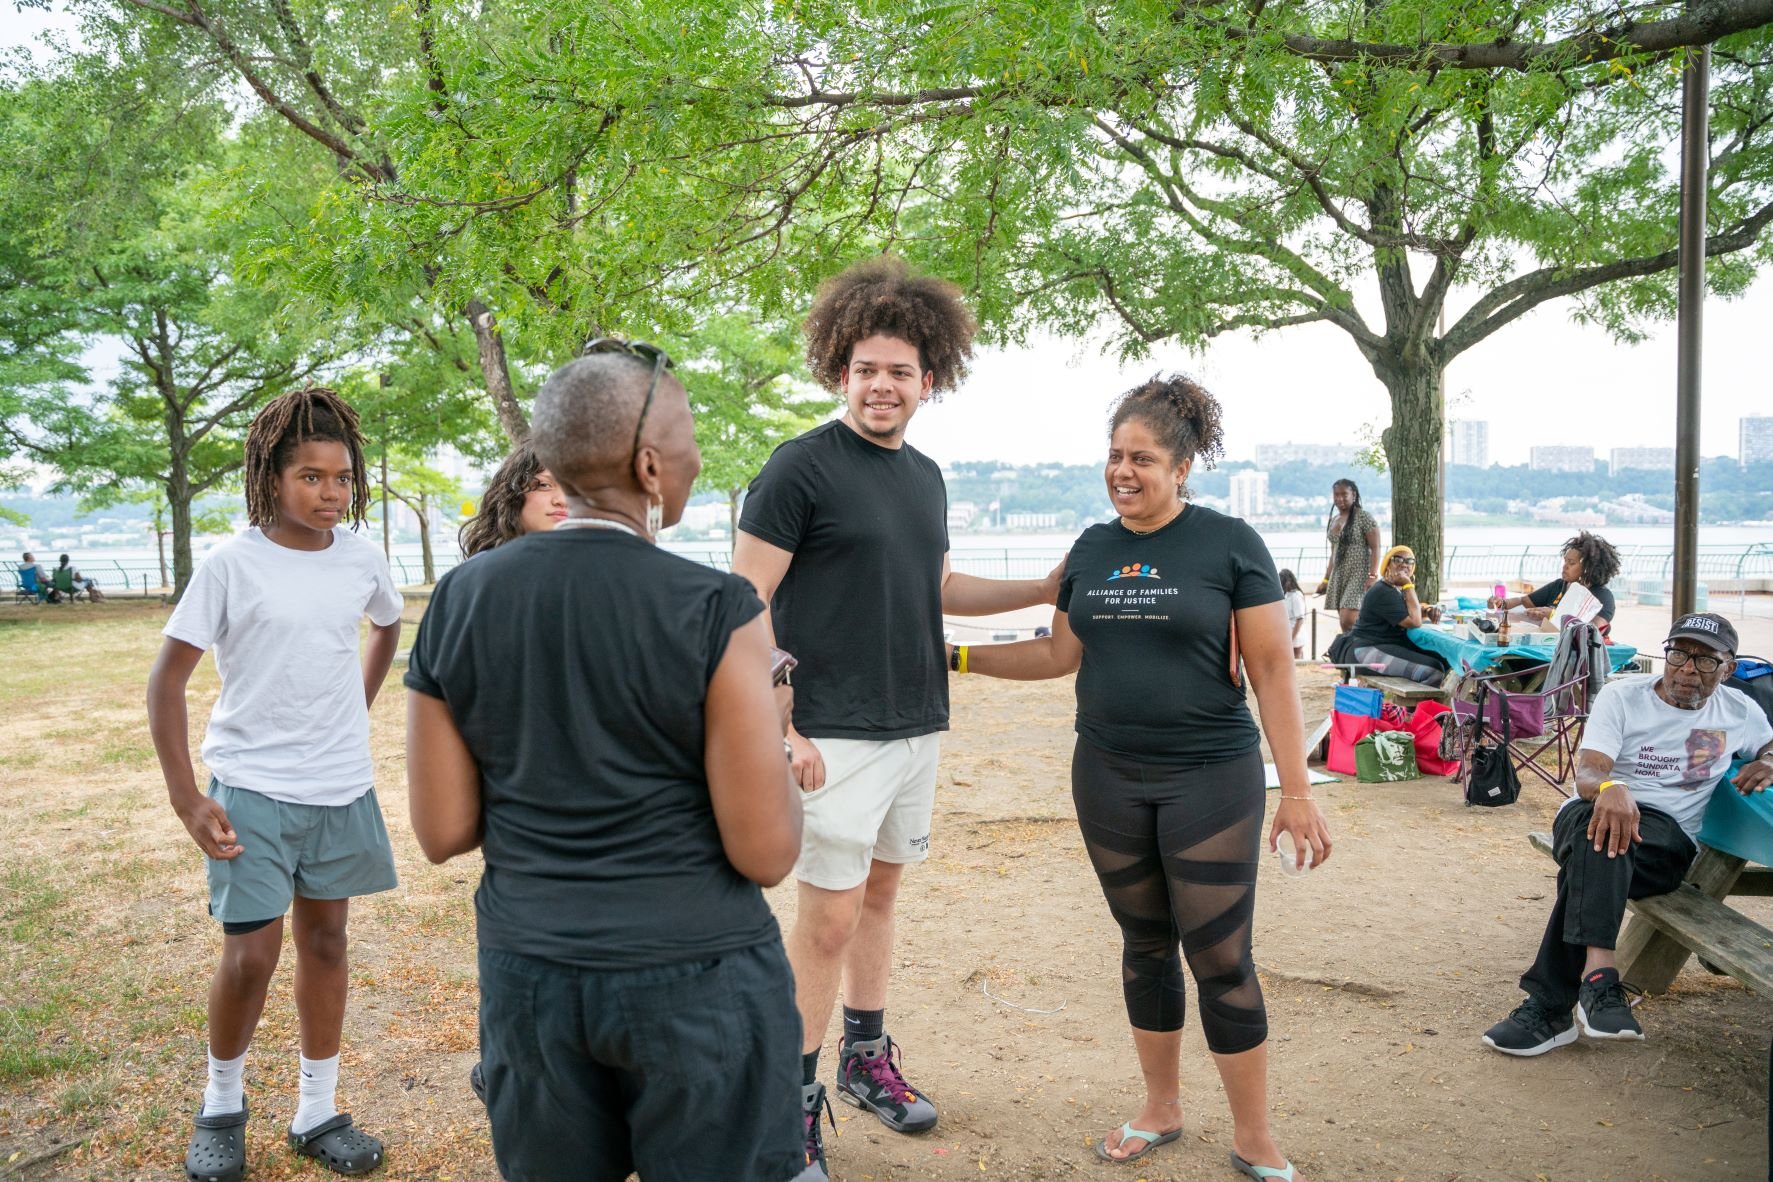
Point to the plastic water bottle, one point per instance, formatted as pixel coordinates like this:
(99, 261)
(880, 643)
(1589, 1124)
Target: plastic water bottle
(1287, 859)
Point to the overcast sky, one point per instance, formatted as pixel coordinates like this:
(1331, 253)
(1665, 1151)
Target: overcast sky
(1541, 380)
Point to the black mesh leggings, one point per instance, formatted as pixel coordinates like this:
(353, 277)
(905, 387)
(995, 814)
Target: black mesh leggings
(1176, 851)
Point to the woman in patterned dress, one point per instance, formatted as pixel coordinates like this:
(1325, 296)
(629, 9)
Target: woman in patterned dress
(1354, 553)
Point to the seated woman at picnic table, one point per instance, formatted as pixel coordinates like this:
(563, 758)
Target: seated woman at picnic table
(1590, 560)
(1380, 639)
(1167, 775)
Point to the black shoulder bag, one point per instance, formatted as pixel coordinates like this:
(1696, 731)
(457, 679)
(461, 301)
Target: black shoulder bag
(1490, 778)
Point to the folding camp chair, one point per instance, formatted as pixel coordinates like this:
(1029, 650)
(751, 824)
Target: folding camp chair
(1547, 719)
(63, 579)
(26, 588)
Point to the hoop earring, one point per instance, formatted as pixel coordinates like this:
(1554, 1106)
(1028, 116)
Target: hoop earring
(655, 517)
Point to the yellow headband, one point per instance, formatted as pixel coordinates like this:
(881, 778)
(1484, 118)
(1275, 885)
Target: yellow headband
(1393, 553)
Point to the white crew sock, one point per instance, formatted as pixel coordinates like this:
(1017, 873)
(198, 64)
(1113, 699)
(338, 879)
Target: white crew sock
(224, 1094)
(320, 1085)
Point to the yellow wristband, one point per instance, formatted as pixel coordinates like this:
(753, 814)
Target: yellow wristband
(1605, 784)
(963, 658)
(1407, 587)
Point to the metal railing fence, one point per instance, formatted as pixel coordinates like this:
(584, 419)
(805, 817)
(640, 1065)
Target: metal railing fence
(1729, 567)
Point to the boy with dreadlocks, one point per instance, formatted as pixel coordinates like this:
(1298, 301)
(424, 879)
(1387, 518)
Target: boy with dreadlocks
(845, 535)
(290, 821)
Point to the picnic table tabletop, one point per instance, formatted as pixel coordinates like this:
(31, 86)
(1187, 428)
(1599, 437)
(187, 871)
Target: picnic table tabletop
(1449, 641)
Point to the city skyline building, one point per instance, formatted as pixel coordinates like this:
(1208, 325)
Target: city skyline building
(1645, 459)
(1754, 440)
(1468, 442)
(1249, 493)
(1559, 457)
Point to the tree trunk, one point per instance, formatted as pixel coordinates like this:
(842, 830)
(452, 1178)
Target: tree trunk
(1413, 450)
(178, 505)
(425, 540)
(160, 541)
(496, 370)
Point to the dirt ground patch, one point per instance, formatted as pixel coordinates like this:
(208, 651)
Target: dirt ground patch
(1381, 971)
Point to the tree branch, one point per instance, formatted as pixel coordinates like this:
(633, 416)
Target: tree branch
(1520, 295)
(1700, 24)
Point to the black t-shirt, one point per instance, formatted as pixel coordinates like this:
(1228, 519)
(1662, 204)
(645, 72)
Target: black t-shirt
(861, 604)
(1153, 613)
(1548, 596)
(581, 697)
(1381, 618)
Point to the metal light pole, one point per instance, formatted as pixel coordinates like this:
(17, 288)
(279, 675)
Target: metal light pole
(1689, 335)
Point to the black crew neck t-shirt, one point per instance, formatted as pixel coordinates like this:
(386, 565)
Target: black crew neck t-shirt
(1153, 612)
(861, 604)
(1552, 592)
(581, 696)
(1381, 618)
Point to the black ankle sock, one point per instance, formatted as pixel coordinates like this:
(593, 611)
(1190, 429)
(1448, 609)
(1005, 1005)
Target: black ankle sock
(809, 1068)
(862, 1025)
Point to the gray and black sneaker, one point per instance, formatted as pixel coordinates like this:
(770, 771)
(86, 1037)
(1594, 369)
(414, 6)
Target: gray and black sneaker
(1602, 1010)
(868, 1078)
(813, 1105)
(1531, 1030)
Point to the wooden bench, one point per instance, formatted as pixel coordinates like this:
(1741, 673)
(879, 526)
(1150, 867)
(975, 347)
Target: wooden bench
(1693, 918)
(1401, 689)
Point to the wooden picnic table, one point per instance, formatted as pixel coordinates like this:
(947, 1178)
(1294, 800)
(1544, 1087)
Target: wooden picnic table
(1696, 918)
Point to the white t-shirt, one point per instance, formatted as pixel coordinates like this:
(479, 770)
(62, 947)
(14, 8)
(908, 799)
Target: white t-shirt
(1671, 758)
(291, 722)
(1295, 606)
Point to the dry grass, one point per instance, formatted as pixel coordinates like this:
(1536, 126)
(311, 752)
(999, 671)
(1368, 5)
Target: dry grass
(108, 949)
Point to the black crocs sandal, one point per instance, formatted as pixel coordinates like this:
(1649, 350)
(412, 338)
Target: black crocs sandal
(217, 1152)
(339, 1145)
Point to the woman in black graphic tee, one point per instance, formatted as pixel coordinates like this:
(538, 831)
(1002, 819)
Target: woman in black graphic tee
(1155, 611)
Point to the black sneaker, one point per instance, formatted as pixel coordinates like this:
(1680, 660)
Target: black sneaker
(813, 1105)
(1531, 1030)
(1601, 1007)
(868, 1078)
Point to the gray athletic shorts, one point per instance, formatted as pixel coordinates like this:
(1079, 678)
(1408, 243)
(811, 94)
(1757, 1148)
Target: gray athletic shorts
(316, 851)
(875, 806)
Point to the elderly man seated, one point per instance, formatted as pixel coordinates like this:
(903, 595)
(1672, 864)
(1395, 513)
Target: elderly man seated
(1654, 748)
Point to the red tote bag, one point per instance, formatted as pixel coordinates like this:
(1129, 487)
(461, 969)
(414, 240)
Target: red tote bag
(1425, 726)
(1345, 731)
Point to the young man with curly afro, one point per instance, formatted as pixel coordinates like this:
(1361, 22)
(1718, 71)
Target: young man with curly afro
(844, 534)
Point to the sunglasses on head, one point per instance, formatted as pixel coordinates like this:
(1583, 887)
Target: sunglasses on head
(661, 361)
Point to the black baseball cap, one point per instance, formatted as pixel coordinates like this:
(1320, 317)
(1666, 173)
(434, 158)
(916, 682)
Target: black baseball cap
(1709, 629)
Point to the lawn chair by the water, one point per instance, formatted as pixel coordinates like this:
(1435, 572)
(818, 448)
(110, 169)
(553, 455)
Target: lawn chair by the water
(26, 588)
(63, 578)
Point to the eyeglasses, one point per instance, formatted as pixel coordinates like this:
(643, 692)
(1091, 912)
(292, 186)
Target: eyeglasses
(1676, 657)
(641, 349)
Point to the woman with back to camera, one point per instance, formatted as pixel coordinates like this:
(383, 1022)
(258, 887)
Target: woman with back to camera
(1154, 610)
(1354, 553)
(521, 497)
(1590, 560)
(609, 741)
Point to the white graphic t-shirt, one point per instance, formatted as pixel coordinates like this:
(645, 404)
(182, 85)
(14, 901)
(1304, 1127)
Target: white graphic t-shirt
(1672, 758)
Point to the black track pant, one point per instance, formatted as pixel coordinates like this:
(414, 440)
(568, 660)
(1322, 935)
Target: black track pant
(1592, 893)
(1176, 850)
